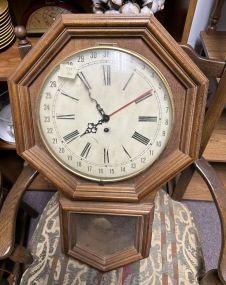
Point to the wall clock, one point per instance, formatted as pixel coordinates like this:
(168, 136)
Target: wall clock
(108, 109)
(40, 15)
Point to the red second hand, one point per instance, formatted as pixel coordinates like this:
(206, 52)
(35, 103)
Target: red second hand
(134, 100)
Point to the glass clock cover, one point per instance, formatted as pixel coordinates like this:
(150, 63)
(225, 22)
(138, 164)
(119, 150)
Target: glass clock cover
(105, 113)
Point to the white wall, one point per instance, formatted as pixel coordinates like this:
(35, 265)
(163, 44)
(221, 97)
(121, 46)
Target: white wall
(201, 18)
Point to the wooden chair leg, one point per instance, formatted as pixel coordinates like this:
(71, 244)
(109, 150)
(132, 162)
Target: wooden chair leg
(211, 278)
(21, 255)
(182, 183)
(28, 209)
(17, 273)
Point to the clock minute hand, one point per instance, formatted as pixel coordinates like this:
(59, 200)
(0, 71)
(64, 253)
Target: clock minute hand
(84, 81)
(145, 94)
(88, 87)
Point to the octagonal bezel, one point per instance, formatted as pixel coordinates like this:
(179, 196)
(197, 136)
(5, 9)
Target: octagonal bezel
(74, 33)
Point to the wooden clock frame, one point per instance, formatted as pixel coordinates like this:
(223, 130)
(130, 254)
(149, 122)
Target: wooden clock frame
(139, 34)
(132, 198)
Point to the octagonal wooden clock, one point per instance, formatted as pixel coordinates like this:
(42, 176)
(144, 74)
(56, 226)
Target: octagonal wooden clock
(108, 108)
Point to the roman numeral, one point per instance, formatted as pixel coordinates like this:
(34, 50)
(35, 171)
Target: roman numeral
(126, 152)
(71, 136)
(124, 88)
(86, 150)
(106, 156)
(144, 98)
(66, 117)
(107, 74)
(140, 138)
(84, 80)
(71, 97)
(147, 119)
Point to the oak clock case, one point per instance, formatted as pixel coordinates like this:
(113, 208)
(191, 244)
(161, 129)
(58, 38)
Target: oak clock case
(105, 113)
(104, 140)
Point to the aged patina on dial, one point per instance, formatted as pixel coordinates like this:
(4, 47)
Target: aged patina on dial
(105, 113)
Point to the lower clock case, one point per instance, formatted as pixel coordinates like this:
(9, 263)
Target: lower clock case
(106, 235)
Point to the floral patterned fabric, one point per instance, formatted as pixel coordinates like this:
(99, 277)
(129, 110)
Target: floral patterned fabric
(175, 256)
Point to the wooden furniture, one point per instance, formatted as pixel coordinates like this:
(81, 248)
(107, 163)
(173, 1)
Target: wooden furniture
(13, 248)
(215, 153)
(175, 245)
(178, 18)
(13, 172)
(214, 43)
(43, 140)
(188, 21)
(212, 68)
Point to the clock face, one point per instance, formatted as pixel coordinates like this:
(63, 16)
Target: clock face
(42, 18)
(105, 113)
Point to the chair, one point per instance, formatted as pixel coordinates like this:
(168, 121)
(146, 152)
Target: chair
(210, 68)
(12, 243)
(214, 41)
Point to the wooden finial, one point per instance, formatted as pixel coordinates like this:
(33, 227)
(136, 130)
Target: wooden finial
(24, 44)
(21, 34)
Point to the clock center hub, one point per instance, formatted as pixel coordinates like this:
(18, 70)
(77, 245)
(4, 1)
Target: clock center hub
(106, 118)
(106, 130)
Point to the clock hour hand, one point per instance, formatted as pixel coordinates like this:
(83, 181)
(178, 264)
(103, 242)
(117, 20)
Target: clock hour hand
(88, 87)
(92, 128)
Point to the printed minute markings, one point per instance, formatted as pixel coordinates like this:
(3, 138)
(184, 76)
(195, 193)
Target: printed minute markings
(69, 96)
(84, 80)
(127, 82)
(126, 152)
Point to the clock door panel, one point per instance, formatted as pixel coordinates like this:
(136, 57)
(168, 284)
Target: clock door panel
(106, 235)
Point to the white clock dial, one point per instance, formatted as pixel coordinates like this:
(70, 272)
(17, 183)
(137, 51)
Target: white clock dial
(105, 113)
